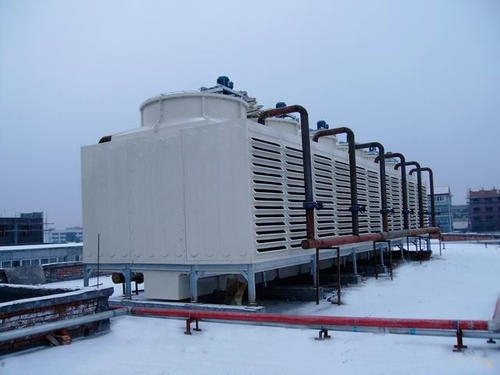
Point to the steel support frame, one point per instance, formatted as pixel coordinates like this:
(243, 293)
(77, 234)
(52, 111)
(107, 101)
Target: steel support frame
(247, 270)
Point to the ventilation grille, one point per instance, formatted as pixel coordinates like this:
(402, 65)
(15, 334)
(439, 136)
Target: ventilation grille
(413, 204)
(362, 190)
(425, 206)
(396, 219)
(342, 189)
(278, 196)
(374, 204)
(295, 194)
(269, 195)
(324, 189)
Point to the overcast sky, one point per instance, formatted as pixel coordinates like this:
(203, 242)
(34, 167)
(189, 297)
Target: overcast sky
(421, 77)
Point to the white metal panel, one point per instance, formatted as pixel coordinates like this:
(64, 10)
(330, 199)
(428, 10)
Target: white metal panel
(105, 197)
(156, 204)
(217, 194)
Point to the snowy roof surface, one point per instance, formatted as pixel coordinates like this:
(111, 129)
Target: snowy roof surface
(462, 283)
(42, 246)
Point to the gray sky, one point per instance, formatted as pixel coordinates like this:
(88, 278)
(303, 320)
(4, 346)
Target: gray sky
(421, 77)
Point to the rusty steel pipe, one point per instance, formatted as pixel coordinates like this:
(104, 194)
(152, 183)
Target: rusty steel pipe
(431, 183)
(383, 189)
(404, 186)
(352, 170)
(419, 191)
(309, 203)
(369, 237)
(312, 321)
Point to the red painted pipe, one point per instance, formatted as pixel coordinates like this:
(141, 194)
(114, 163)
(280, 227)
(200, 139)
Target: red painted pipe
(313, 321)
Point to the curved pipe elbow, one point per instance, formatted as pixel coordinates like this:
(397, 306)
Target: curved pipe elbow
(335, 131)
(281, 111)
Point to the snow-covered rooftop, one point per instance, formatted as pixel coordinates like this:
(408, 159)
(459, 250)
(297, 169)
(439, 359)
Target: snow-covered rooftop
(462, 283)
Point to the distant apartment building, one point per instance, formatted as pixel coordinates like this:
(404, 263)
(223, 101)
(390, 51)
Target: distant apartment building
(33, 255)
(23, 230)
(442, 206)
(460, 215)
(484, 210)
(73, 234)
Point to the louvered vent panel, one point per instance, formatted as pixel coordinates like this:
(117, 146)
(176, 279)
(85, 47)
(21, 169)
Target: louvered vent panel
(362, 189)
(268, 184)
(413, 204)
(324, 192)
(425, 206)
(296, 215)
(388, 197)
(343, 193)
(374, 203)
(395, 191)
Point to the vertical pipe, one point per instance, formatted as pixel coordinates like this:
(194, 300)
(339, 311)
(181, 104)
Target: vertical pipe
(352, 171)
(419, 190)
(404, 186)
(383, 190)
(431, 183)
(309, 203)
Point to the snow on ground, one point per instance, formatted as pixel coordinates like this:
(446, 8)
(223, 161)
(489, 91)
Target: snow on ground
(462, 283)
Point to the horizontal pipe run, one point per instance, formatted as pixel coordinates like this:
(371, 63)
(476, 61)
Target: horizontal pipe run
(311, 321)
(382, 236)
(60, 324)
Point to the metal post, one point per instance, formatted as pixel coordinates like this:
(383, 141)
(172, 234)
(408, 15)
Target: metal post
(339, 278)
(390, 258)
(354, 262)
(252, 294)
(86, 272)
(316, 277)
(127, 272)
(98, 256)
(193, 285)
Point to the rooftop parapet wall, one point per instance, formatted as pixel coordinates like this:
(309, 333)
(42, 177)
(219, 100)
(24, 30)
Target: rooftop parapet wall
(42, 306)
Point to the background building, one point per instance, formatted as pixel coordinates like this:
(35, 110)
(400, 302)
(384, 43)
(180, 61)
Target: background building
(73, 234)
(484, 210)
(25, 229)
(442, 205)
(460, 215)
(33, 255)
